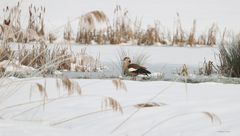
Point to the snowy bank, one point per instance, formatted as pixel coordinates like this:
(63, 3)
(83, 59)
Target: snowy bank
(213, 107)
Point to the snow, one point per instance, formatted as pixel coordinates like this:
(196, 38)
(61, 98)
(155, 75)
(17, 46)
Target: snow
(188, 107)
(157, 54)
(202, 109)
(13, 67)
(161, 60)
(164, 60)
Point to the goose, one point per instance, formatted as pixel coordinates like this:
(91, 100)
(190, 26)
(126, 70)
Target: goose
(131, 69)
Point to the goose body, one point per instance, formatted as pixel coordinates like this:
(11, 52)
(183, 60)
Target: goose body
(131, 69)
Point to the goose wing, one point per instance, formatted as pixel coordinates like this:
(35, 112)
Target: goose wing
(134, 67)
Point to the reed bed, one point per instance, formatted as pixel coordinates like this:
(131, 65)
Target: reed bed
(45, 60)
(96, 28)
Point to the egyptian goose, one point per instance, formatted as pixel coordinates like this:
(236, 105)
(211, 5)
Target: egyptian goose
(131, 69)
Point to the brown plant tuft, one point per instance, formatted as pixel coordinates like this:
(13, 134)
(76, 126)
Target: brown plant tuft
(149, 104)
(109, 102)
(42, 90)
(191, 38)
(119, 84)
(211, 39)
(184, 70)
(69, 85)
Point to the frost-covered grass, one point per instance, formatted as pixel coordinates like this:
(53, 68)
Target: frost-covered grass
(42, 59)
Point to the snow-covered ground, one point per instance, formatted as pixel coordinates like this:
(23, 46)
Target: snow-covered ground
(205, 109)
(183, 109)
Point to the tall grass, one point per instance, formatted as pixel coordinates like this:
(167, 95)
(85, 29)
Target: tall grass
(124, 30)
(12, 29)
(230, 57)
(68, 32)
(87, 31)
(208, 68)
(179, 37)
(121, 29)
(11, 25)
(95, 27)
(211, 39)
(191, 37)
(45, 60)
(151, 36)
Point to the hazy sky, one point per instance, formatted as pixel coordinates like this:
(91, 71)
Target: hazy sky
(226, 13)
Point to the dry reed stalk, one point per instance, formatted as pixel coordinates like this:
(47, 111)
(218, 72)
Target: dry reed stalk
(184, 71)
(119, 84)
(109, 102)
(149, 37)
(36, 19)
(89, 18)
(68, 32)
(69, 85)
(191, 38)
(202, 39)
(179, 36)
(211, 39)
(207, 68)
(87, 27)
(6, 52)
(152, 35)
(66, 82)
(52, 37)
(11, 24)
(42, 90)
(121, 30)
(137, 30)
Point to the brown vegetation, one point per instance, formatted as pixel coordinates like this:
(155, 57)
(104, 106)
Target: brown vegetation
(229, 57)
(95, 27)
(46, 60)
